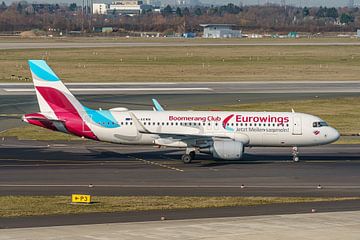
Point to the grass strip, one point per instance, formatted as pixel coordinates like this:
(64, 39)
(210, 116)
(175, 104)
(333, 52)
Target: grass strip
(16, 206)
(30, 132)
(188, 64)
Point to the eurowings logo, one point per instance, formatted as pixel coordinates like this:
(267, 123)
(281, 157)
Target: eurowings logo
(317, 132)
(226, 121)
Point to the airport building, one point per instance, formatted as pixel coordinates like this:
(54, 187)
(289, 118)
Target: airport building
(220, 31)
(100, 8)
(123, 7)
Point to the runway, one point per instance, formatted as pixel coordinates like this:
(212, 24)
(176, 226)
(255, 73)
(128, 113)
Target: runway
(36, 168)
(273, 87)
(59, 45)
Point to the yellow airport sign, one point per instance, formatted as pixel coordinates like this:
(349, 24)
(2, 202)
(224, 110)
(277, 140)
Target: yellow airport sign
(80, 198)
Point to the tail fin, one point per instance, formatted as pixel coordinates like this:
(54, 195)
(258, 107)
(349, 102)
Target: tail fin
(59, 109)
(52, 95)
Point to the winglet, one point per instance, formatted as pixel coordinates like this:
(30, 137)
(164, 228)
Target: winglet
(157, 106)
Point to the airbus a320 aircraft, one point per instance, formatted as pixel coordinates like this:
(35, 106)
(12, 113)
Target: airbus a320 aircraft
(224, 135)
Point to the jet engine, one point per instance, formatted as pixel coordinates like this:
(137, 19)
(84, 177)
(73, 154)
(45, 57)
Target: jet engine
(225, 149)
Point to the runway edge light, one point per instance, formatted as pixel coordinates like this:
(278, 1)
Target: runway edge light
(80, 198)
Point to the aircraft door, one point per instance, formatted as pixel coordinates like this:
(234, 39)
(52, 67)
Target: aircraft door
(297, 125)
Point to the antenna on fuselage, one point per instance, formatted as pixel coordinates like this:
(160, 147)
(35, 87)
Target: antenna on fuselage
(292, 110)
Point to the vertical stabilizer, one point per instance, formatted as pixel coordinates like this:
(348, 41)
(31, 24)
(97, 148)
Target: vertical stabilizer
(52, 95)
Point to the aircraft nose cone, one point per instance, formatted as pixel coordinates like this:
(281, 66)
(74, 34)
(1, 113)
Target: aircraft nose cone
(334, 135)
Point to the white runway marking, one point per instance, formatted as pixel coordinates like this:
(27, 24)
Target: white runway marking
(113, 89)
(186, 186)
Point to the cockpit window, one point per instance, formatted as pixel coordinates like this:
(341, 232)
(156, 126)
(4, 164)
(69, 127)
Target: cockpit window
(319, 124)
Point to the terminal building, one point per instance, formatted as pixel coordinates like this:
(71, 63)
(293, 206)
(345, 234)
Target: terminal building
(123, 7)
(220, 31)
(100, 8)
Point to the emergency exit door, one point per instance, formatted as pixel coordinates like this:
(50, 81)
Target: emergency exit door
(297, 125)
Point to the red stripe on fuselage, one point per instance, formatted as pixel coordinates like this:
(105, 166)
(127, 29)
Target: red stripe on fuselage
(66, 111)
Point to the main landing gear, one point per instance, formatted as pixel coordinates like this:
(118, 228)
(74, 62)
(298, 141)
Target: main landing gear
(295, 154)
(189, 155)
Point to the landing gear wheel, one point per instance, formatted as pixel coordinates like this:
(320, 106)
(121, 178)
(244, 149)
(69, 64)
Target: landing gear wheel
(295, 154)
(186, 158)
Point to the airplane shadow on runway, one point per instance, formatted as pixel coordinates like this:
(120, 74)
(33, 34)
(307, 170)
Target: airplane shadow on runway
(205, 161)
(54, 155)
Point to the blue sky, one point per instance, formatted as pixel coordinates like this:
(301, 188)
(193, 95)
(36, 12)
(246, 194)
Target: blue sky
(336, 3)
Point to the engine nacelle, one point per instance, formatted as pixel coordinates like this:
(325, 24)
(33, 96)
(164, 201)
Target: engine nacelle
(225, 149)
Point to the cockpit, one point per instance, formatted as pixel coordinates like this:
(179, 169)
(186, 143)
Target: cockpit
(319, 124)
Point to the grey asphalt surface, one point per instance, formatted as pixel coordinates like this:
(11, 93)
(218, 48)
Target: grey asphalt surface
(40, 168)
(63, 168)
(52, 45)
(194, 88)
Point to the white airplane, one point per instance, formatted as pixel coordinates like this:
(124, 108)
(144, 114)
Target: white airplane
(224, 135)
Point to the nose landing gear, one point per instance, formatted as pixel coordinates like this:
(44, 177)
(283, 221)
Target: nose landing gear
(295, 154)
